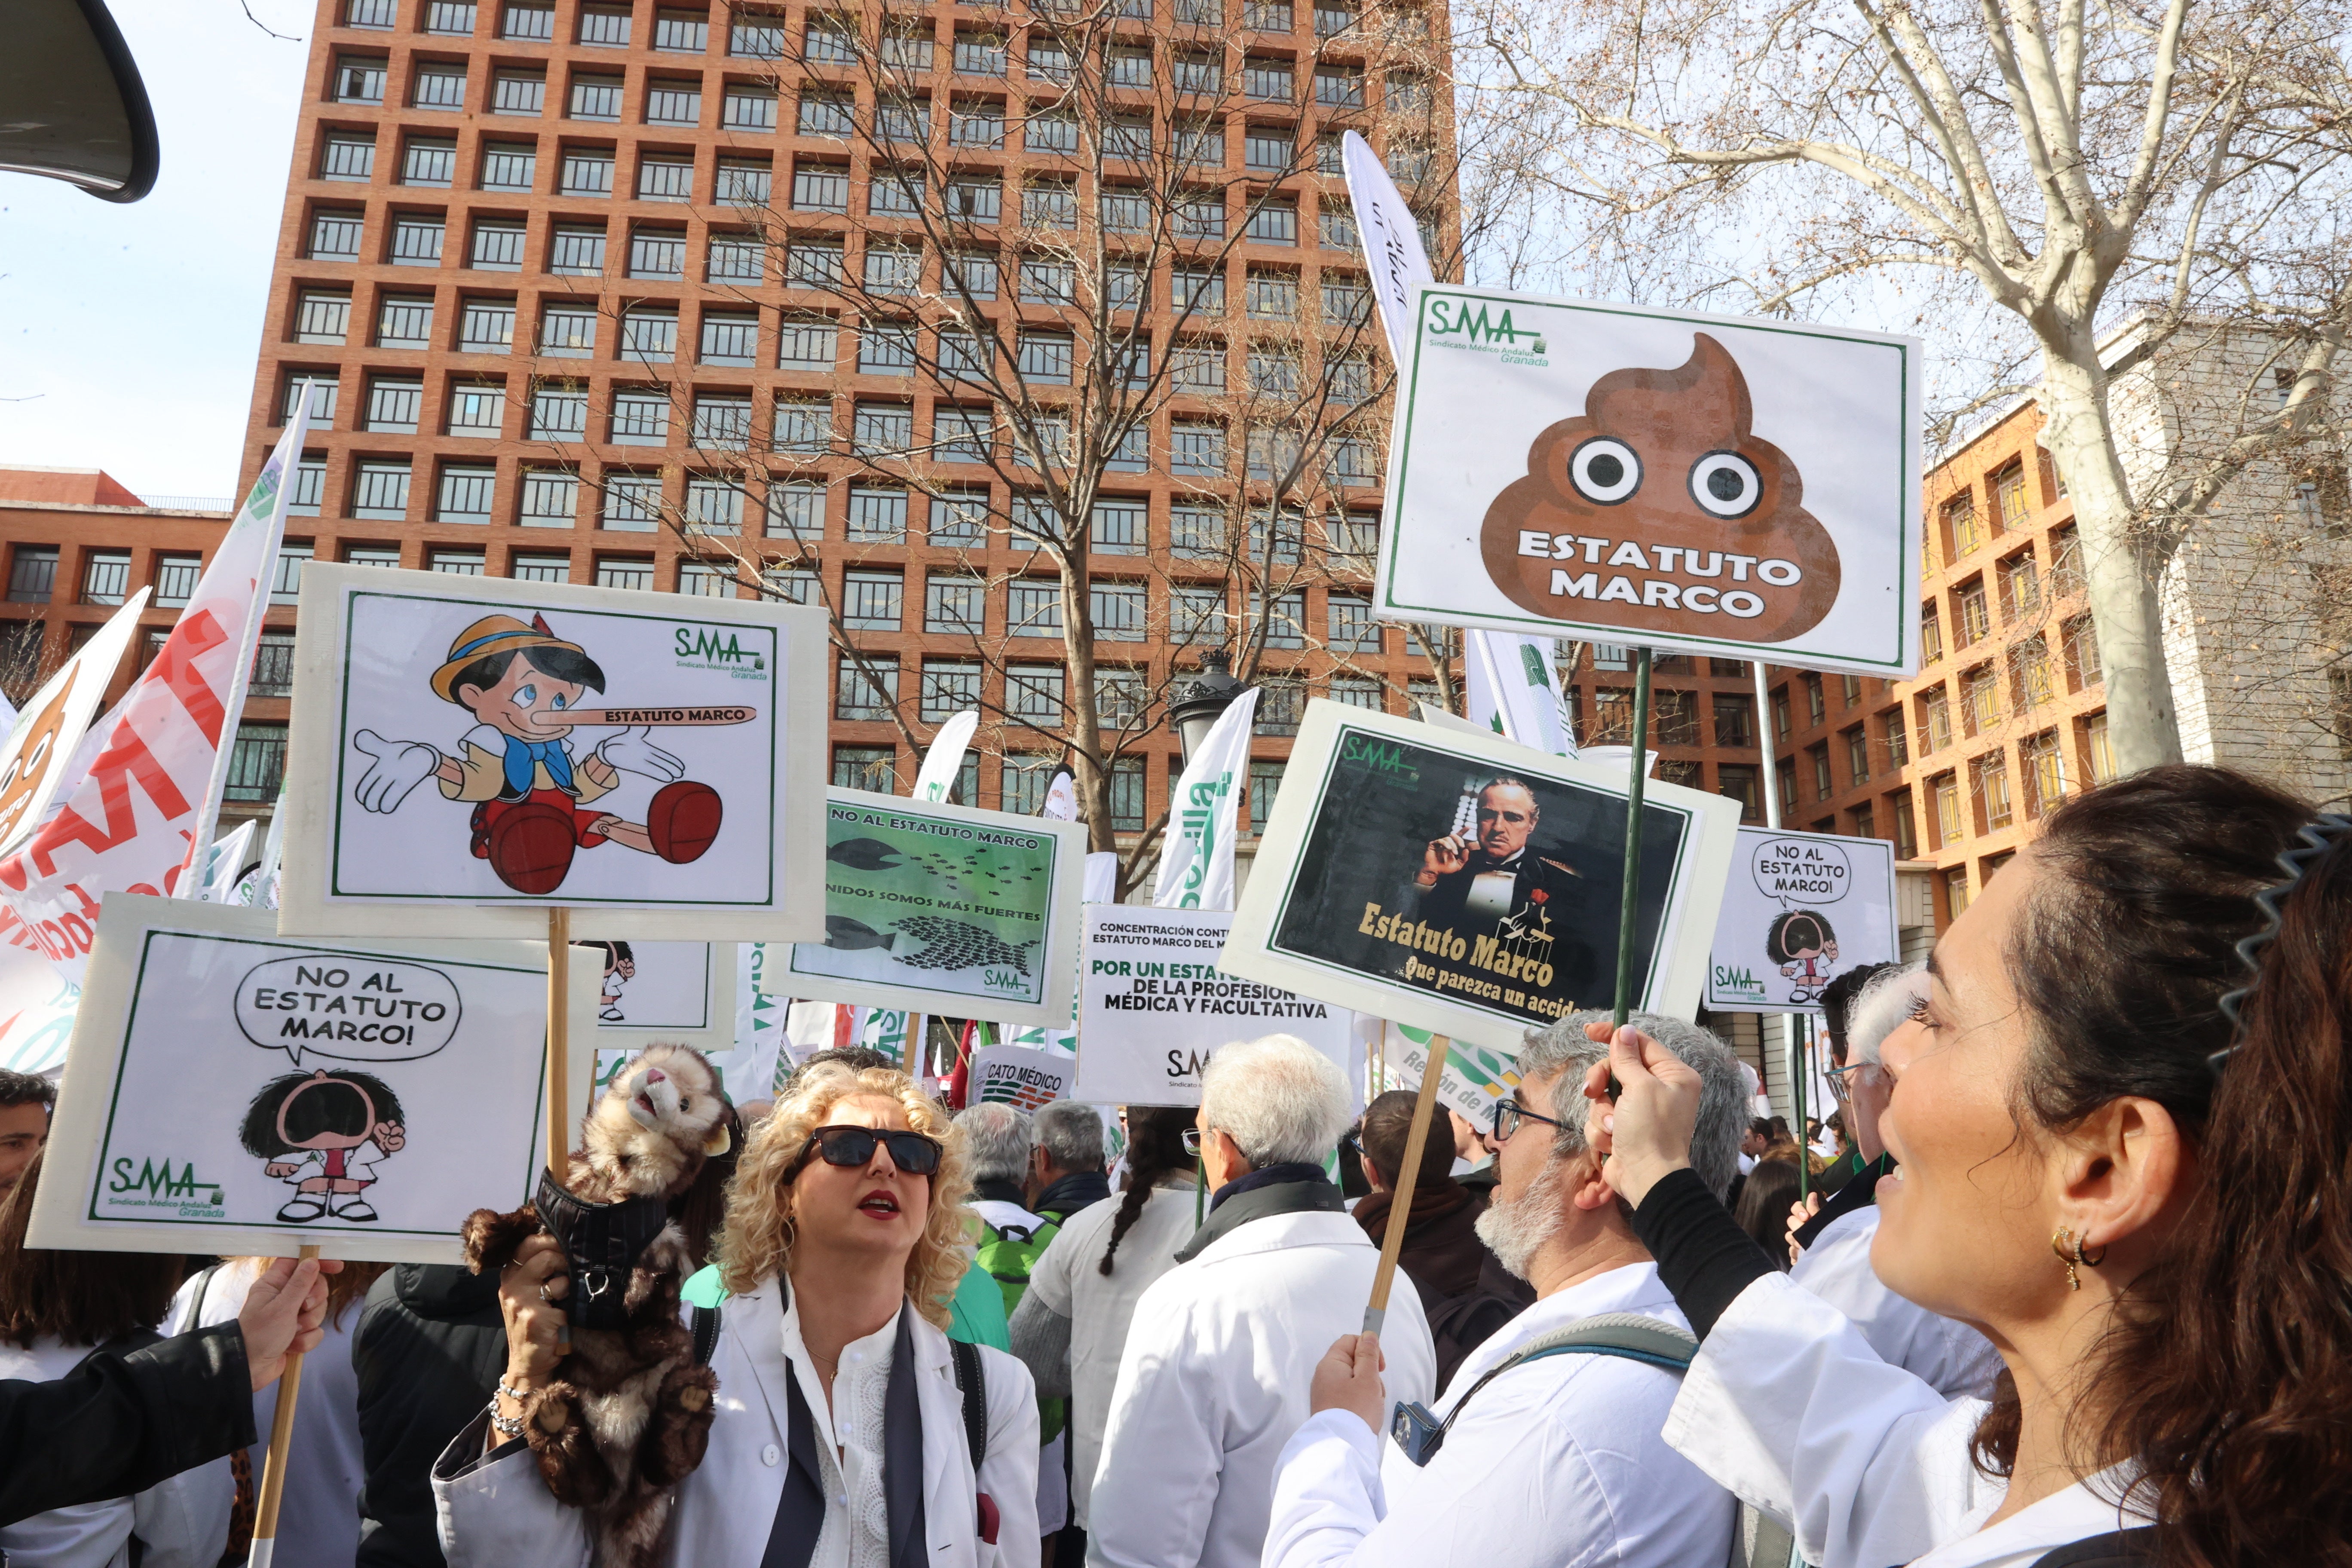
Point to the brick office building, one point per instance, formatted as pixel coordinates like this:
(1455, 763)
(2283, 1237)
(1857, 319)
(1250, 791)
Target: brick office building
(508, 223)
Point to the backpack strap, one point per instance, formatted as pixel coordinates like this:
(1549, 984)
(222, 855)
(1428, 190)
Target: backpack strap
(972, 1381)
(2116, 1548)
(704, 1321)
(1627, 1335)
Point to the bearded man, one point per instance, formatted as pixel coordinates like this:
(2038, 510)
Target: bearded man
(1558, 1458)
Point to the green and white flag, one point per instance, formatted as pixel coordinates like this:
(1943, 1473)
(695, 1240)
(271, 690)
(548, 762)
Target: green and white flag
(944, 760)
(1196, 869)
(1514, 691)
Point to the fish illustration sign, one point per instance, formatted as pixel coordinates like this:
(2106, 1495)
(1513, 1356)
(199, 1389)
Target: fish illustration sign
(466, 748)
(1700, 484)
(944, 909)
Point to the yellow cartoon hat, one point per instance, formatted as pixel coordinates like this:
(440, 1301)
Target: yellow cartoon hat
(493, 634)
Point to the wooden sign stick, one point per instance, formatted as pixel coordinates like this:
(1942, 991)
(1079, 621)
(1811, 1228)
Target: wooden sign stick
(273, 1464)
(1400, 1193)
(559, 1032)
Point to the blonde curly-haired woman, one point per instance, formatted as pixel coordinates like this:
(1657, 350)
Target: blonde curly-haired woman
(844, 1243)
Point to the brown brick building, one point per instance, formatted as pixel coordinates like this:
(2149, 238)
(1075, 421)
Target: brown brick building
(544, 257)
(2007, 716)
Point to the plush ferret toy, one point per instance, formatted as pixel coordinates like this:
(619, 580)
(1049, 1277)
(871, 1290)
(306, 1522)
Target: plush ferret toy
(628, 1415)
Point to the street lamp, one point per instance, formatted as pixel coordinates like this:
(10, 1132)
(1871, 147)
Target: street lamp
(1205, 701)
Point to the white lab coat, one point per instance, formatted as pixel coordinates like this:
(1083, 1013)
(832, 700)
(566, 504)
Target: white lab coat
(497, 1514)
(182, 1522)
(2083, 1511)
(1068, 1279)
(310, 1164)
(1786, 1405)
(318, 1515)
(1951, 1357)
(1556, 1464)
(1214, 1381)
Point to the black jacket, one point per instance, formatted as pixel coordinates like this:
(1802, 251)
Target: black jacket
(429, 1352)
(119, 1424)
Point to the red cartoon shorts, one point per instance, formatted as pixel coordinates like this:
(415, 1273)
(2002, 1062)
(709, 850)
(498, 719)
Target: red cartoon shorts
(487, 813)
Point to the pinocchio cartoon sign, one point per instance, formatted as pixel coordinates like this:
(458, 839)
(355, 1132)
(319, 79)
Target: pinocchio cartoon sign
(1685, 483)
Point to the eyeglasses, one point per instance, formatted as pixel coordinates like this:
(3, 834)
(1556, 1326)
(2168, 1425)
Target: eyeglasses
(1191, 1139)
(853, 1146)
(1509, 1113)
(1842, 1080)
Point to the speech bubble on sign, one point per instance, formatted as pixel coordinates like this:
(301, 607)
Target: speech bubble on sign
(1802, 872)
(352, 1010)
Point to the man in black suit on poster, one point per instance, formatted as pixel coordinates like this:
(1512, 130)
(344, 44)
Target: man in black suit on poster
(1497, 884)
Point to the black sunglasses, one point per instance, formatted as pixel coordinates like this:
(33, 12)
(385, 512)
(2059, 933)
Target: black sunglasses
(853, 1146)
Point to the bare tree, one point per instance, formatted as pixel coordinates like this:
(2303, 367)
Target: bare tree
(2023, 173)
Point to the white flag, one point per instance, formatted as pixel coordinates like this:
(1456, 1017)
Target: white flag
(135, 821)
(1061, 798)
(944, 760)
(1514, 691)
(1392, 241)
(222, 864)
(1196, 868)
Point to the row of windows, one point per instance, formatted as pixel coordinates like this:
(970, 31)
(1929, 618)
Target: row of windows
(574, 246)
(431, 160)
(752, 35)
(868, 690)
(2016, 593)
(716, 421)
(1963, 525)
(363, 81)
(730, 333)
(105, 576)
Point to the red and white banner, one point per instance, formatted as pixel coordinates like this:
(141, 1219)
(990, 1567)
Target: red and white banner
(132, 822)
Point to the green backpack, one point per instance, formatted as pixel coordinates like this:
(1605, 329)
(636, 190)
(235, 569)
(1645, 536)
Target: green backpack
(1010, 1255)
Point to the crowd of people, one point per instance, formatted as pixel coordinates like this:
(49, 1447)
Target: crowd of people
(2070, 1284)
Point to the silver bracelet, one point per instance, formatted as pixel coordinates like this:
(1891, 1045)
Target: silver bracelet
(519, 1395)
(508, 1429)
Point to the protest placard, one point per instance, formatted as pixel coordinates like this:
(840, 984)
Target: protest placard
(469, 753)
(682, 992)
(1465, 884)
(1799, 910)
(229, 1090)
(1706, 484)
(1154, 1005)
(1470, 1080)
(1021, 1077)
(944, 909)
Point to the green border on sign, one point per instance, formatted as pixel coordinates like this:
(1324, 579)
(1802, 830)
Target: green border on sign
(1778, 653)
(1053, 851)
(130, 1026)
(770, 719)
(1660, 948)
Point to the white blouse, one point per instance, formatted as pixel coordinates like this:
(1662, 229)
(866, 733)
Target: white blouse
(2083, 1509)
(856, 1533)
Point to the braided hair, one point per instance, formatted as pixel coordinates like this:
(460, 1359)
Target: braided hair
(1155, 1148)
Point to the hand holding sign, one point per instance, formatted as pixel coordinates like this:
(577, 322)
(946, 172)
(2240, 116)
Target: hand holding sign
(399, 767)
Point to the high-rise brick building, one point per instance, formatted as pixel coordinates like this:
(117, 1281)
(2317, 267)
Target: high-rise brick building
(570, 278)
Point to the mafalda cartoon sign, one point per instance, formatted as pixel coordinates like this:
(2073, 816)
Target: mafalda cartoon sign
(1689, 483)
(478, 743)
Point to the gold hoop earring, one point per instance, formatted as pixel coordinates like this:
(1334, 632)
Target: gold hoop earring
(2058, 1244)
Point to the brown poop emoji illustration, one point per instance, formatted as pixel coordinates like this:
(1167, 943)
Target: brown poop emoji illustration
(1661, 501)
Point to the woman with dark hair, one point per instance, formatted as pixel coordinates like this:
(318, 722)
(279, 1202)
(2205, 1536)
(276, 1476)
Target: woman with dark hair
(56, 1309)
(1071, 1324)
(1762, 1209)
(2121, 1110)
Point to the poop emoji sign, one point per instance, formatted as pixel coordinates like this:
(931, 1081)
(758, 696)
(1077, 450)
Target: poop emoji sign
(1688, 483)
(462, 744)
(1801, 910)
(230, 1090)
(942, 909)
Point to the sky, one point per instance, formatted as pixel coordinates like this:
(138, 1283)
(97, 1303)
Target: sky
(128, 334)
